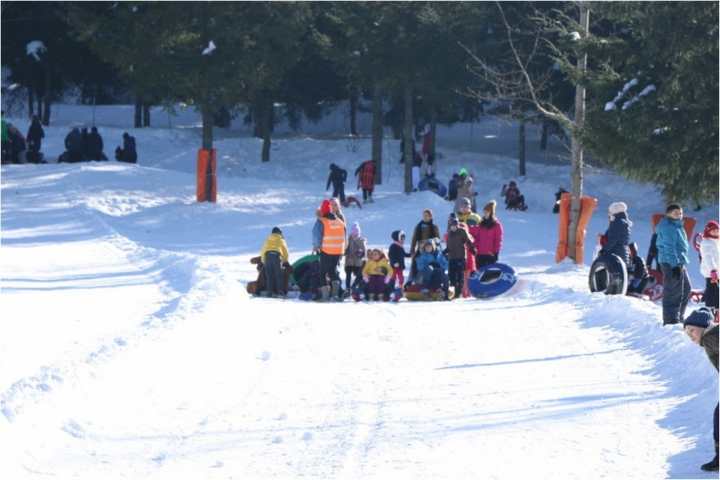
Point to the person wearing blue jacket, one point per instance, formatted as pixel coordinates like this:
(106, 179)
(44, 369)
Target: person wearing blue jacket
(431, 268)
(672, 246)
(618, 233)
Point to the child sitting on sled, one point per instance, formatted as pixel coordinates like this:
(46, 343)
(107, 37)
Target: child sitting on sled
(431, 269)
(514, 200)
(377, 274)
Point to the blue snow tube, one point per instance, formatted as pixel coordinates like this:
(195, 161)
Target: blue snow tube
(492, 280)
(608, 274)
(432, 184)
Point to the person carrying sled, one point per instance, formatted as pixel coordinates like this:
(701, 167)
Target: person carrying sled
(514, 200)
(34, 139)
(618, 233)
(377, 274)
(431, 269)
(354, 256)
(488, 237)
(460, 249)
(366, 179)
(275, 257)
(672, 247)
(337, 178)
(397, 256)
(710, 263)
(329, 241)
(701, 329)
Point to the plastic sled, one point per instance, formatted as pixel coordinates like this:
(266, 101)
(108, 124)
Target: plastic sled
(414, 293)
(492, 280)
(608, 274)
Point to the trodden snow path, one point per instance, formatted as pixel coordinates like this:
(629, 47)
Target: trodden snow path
(131, 350)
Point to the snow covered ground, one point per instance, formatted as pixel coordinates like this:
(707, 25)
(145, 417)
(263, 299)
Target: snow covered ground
(129, 347)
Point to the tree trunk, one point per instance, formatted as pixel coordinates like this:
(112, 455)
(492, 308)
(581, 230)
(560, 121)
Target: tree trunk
(433, 131)
(207, 127)
(577, 148)
(268, 118)
(408, 136)
(146, 115)
(46, 102)
(377, 133)
(521, 148)
(31, 102)
(39, 108)
(544, 136)
(46, 113)
(353, 110)
(138, 113)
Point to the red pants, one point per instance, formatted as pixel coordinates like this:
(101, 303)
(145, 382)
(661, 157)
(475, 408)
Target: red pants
(398, 277)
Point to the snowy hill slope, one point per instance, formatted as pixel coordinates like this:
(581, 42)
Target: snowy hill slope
(130, 348)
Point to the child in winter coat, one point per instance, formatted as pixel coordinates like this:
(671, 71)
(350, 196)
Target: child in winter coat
(377, 275)
(637, 271)
(459, 248)
(431, 268)
(274, 255)
(488, 237)
(514, 200)
(366, 179)
(710, 263)
(354, 256)
(618, 233)
(398, 255)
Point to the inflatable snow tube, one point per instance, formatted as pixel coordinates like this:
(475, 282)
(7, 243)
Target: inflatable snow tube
(492, 280)
(608, 274)
(414, 294)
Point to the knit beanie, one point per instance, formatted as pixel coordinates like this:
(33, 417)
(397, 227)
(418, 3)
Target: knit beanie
(699, 318)
(617, 207)
(325, 207)
(490, 207)
(711, 225)
(355, 229)
(277, 230)
(396, 235)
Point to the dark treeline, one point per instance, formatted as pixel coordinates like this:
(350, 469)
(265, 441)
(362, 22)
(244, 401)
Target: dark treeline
(410, 63)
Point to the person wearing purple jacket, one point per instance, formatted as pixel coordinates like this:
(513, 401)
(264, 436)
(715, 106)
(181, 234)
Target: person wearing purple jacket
(488, 237)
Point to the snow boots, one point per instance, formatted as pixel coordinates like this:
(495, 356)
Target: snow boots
(712, 465)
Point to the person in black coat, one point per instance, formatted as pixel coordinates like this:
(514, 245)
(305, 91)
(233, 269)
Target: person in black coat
(128, 153)
(618, 233)
(84, 136)
(35, 135)
(637, 271)
(95, 145)
(453, 187)
(74, 146)
(337, 179)
(397, 256)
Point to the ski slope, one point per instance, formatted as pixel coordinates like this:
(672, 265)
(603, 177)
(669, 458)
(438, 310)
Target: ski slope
(129, 347)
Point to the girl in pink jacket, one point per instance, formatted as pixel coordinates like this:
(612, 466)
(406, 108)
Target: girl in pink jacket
(488, 237)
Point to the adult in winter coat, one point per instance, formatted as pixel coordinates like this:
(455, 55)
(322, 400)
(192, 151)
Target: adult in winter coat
(329, 235)
(354, 256)
(35, 135)
(425, 230)
(710, 263)
(488, 236)
(458, 241)
(366, 179)
(702, 331)
(337, 178)
(95, 145)
(73, 146)
(128, 152)
(397, 255)
(465, 189)
(453, 187)
(672, 246)
(618, 233)
(274, 255)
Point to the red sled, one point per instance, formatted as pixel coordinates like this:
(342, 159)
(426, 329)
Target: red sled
(654, 288)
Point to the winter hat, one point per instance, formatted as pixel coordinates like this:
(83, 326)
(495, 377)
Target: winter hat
(463, 172)
(711, 225)
(397, 235)
(617, 207)
(490, 207)
(277, 230)
(512, 183)
(429, 212)
(465, 202)
(325, 208)
(699, 318)
(355, 229)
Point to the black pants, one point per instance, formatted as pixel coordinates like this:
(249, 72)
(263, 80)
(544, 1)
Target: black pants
(367, 194)
(715, 425)
(676, 293)
(349, 272)
(339, 191)
(328, 268)
(273, 273)
(484, 260)
(710, 297)
(456, 272)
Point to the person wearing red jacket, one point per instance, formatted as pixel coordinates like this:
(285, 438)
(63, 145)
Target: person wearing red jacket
(366, 179)
(488, 237)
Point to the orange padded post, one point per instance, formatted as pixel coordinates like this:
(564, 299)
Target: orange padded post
(563, 222)
(587, 207)
(206, 176)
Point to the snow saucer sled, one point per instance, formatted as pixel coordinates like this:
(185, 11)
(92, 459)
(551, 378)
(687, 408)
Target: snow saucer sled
(492, 280)
(608, 274)
(415, 293)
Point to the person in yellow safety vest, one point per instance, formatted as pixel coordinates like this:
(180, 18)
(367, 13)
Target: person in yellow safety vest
(329, 234)
(274, 255)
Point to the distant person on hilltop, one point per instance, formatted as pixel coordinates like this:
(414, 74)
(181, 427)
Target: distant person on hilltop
(127, 153)
(95, 145)
(337, 178)
(514, 200)
(366, 179)
(73, 147)
(34, 139)
(427, 152)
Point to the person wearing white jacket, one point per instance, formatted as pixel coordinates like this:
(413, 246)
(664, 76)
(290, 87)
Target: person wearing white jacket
(710, 263)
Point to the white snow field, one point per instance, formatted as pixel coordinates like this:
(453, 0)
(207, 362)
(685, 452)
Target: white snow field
(130, 349)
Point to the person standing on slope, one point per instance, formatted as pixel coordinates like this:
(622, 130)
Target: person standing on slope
(488, 237)
(329, 235)
(618, 233)
(672, 246)
(337, 178)
(710, 264)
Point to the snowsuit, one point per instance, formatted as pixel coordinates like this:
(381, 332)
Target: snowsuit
(274, 254)
(431, 268)
(488, 241)
(377, 275)
(458, 242)
(354, 259)
(95, 146)
(34, 136)
(618, 238)
(672, 248)
(337, 179)
(710, 253)
(366, 178)
(397, 255)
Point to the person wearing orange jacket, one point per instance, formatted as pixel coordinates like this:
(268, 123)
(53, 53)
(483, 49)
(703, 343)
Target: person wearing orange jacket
(329, 234)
